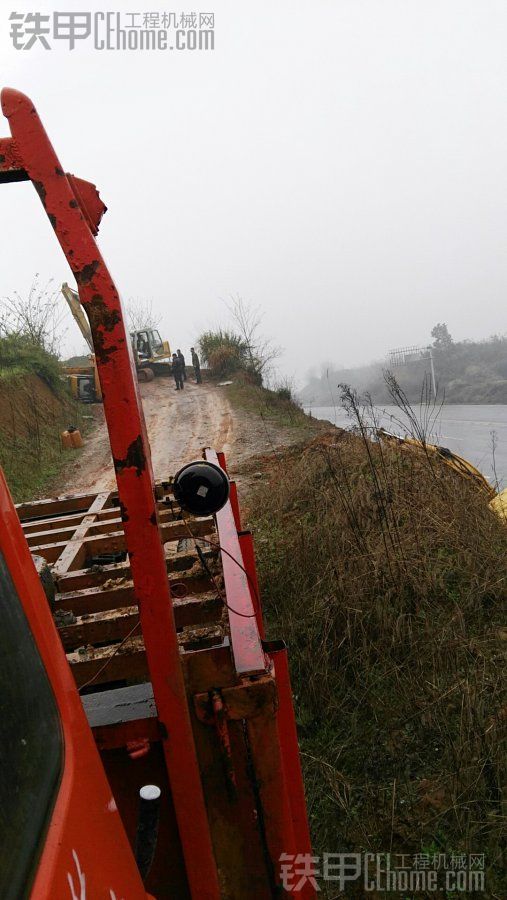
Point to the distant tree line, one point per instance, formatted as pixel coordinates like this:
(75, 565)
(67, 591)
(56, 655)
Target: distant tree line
(466, 372)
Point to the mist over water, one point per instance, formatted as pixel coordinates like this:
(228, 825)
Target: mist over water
(478, 433)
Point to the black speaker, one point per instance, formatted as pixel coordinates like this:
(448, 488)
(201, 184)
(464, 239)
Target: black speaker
(201, 487)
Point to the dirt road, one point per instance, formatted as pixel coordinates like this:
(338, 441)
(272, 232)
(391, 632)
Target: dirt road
(179, 424)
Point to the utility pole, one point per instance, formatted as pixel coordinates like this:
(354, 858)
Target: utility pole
(433, 379)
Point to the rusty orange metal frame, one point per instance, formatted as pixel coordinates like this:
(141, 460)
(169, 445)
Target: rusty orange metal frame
(272, 739)
(85, 833)
(249, 657)
(74, 210)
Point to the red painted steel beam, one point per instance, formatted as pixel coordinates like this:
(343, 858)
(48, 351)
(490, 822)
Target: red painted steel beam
(74, 211)
(248, 553)
(266, 756)
(235, 503)
(275, 759)
(290, 757)
(249, 657)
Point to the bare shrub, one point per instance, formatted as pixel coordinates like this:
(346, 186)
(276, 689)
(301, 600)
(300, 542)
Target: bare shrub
(260, 351)
(140, 314)
(37, 316)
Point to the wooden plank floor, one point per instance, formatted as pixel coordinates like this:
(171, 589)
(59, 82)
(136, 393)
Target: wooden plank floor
(95, 605)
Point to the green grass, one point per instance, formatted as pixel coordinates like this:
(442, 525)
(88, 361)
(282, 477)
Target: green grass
(274, 406)
(33, 418)
(12, 374)
(19, 355)
(35, 407)
(29, 473)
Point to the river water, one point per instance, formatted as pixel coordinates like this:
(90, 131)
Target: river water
(468, 430)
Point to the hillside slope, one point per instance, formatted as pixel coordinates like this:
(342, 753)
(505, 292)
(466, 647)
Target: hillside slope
(33, 414)
(386, 573)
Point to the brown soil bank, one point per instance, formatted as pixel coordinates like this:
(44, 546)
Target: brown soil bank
(32, 417)
(386, 573)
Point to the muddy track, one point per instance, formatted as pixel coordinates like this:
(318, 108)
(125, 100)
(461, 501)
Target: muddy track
(179, 424)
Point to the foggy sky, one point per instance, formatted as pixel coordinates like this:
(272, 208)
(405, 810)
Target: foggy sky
(341, 164)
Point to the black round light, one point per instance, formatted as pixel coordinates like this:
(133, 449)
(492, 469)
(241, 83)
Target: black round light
(201, 488)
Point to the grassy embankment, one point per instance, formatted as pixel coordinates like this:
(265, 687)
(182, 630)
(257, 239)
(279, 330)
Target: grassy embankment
(35, 408)
(386, 573)
(275, 407)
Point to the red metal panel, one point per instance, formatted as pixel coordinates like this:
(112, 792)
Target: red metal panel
(275, 758)
(290, 754)
(249, 657)
(235, 505)
(222, 460)
(130, 450)
(247, 550)
(85, 828)
(265, 749)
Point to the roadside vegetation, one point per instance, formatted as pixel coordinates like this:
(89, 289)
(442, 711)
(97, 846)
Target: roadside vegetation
(240, 348)
(277, 405)
(386, 573)
(242, 357)
(466, 372)
(35, 406)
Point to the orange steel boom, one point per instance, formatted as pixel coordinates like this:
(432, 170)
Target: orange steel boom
(220, 737)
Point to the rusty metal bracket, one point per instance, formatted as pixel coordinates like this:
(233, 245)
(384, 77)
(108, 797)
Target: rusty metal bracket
(243, 701)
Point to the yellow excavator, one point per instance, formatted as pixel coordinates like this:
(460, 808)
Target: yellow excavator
(152, 355)
(497, 500)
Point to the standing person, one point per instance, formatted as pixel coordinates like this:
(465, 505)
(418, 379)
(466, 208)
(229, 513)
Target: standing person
(197, 366)
(182, 364)
(177, 373)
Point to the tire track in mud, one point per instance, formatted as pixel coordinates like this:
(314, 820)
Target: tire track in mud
(179, 425)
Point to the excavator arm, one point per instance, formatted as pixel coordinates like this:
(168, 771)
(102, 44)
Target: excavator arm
(72, 298)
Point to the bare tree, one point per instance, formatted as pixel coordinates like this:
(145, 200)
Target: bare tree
(37, 316)
(140, 314)
(260, 351)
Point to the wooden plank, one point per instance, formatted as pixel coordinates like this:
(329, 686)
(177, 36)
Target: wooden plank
(99, 628)
(80, 579)
(117, 595)
(70, 503)
(115, 541)
(72, 555)
(129, 662)
(200, 637)
(114, 624)
(54, 506)
(96, 599)
(65, 535)
(88, 546)
(55, 530)
(55, 523)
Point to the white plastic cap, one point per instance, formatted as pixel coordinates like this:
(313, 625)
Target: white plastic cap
(150, 792)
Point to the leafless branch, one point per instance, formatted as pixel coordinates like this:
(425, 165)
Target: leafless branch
(38, 315)
(261, 352)
(140, 314)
